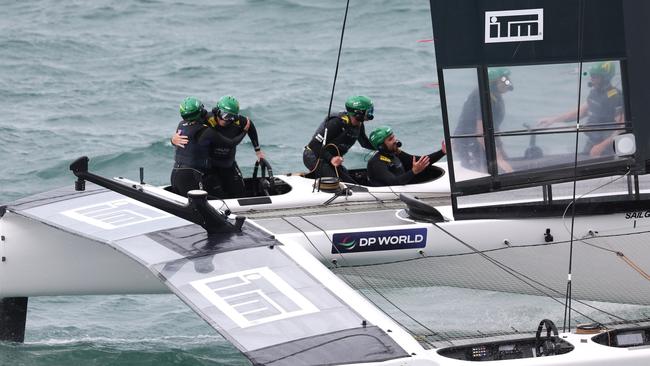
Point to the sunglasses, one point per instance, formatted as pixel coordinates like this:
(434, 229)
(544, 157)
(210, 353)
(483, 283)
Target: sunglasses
(369, 113)
(228, 117)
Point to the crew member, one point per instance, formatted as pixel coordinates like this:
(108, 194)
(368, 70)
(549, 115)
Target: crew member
(390, 166)
(227, 129)
(604, 106)
(470, 151)
(191, 159)
(323, 156)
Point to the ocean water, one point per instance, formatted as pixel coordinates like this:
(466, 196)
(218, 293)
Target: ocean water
(104, 79)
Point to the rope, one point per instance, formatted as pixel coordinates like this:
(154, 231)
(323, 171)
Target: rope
(618, 253)
(338, 58)
(338, 153)
(633, 265)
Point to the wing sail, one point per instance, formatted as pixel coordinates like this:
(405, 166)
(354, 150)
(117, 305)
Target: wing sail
(247, 285)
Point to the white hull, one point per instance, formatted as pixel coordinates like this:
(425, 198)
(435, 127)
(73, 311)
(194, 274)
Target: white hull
(52, 256)
(77, 265)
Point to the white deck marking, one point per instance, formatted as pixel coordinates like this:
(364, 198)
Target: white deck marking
(116, 214)
(268, 296)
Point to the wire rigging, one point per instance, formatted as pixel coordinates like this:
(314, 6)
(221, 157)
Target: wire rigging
(373, 288)
(329, 108)
(567, 299)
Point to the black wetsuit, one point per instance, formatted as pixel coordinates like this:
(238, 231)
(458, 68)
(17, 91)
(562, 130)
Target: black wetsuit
(224, 179)
(395, 169)
(468, 150)
(191, 161)
(341, 135)
(603, 106)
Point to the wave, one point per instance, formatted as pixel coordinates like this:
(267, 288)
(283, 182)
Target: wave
(97, 351)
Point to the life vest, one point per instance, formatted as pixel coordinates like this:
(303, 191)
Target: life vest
(343, 141)
(224, 156)
(193, 155)
(392, 161)
(603, 106)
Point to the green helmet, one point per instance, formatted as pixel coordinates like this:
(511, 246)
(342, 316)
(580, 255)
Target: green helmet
(191, 109)
(496, 73)
(379, 135)
(604, 69)
(360, 105)
(228, 104)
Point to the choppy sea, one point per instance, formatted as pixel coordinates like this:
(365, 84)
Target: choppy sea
(104, 79)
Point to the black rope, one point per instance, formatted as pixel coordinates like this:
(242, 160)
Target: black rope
(338, 58)
(567, 299)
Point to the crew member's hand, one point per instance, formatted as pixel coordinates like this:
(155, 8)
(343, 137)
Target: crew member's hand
(260, 155)
(599, 149)
(336, 161)
(444, 147)
(179, 140)
(420, 164)
(248, 125)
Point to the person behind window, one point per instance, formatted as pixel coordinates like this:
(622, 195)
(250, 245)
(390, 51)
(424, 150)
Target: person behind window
(390, 166)
(470, 151)
(604, 105)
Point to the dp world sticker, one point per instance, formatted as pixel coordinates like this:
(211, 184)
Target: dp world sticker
(371, 241)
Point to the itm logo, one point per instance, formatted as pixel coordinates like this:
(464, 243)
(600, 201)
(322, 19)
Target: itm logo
(514, 25)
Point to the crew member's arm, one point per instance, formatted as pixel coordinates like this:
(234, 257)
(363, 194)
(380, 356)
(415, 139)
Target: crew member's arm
(363, 139)
(211, 137)
(334, 128)
(179, 140)
(433, 157)
(381, 175)
(252, 134)
(565, 117)
(502, 162)
(600, 148)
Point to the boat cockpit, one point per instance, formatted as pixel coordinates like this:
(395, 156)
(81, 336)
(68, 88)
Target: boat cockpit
(262, 182)
(547, 342)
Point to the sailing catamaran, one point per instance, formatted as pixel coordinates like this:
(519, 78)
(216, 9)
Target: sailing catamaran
(309, 281)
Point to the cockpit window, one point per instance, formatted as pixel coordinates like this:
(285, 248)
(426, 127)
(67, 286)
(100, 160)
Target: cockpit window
(534, 110)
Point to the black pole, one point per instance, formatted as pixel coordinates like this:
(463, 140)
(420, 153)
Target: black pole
(197, 210)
